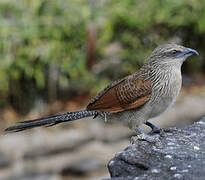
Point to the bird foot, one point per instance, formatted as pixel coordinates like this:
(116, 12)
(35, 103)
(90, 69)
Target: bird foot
(156, 129)
(145, 137)
(162, 131)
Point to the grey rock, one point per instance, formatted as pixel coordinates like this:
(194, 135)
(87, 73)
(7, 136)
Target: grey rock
(180, 155)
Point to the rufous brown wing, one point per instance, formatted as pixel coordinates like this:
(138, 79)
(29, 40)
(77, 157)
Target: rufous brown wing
(128, 93)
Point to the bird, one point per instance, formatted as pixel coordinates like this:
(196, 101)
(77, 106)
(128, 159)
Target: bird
(135, 98)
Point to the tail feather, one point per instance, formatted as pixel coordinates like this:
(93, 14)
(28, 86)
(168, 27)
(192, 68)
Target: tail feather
(52, 120)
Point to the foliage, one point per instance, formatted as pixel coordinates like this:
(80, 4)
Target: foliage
(43, 42)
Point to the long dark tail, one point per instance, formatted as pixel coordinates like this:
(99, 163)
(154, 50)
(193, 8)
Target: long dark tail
(52, 120)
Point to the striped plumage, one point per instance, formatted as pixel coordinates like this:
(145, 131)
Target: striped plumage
(135, 98)
(52, 120)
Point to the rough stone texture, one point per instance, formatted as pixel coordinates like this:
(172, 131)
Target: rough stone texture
(180, 155)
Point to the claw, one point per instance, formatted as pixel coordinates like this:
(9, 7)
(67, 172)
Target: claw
(145, 137)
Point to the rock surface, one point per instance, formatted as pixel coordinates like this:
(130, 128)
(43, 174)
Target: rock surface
(180, 155)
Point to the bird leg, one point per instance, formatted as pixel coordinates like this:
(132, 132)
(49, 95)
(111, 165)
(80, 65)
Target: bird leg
(143, 136)
(155, 129)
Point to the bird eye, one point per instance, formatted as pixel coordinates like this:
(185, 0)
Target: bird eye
(175, 52)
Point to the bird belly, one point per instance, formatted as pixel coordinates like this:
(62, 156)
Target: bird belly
(160, 106)
(131, 118)
(166, 98)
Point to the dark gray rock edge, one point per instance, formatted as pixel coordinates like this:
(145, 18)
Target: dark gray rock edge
(180, 155)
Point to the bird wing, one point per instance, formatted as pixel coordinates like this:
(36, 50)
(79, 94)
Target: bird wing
(128, 93)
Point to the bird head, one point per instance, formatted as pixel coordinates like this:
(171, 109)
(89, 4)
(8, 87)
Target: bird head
(171, 54)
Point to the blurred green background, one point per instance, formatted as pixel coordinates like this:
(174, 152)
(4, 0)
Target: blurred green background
(55, 49)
